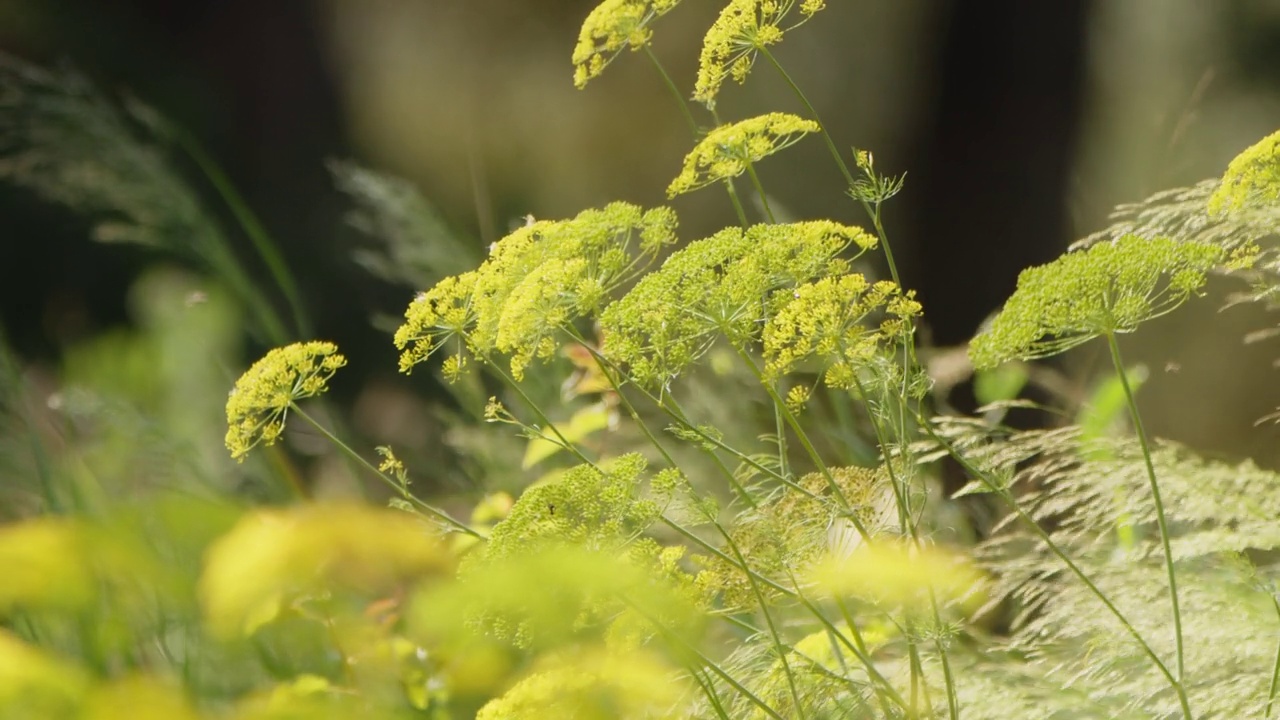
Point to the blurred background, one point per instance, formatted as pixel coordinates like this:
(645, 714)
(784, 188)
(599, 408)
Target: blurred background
(1019, 125)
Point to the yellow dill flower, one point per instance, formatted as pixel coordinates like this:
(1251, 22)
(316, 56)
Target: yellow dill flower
(34, 684)
(592, 684)
(612, 26)
(1112, 287)
(726, 150)
(742, 30)
(260, 401)
(535, 283)
(272, 557)
(721, 286)
(827, 319)
(1253, 177)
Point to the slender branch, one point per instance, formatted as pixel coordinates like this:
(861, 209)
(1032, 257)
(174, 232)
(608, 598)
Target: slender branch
(1155, 495)
(432, 510)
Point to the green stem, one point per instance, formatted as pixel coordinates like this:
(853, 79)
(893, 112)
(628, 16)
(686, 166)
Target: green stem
(432, 510)
(1058, 552)
(835, 154)
(803, 437)
(1275, 670)
(693, 128)
(252, 226)
(1155, 495)
(764, 199)
(608, 370)
(768, 619)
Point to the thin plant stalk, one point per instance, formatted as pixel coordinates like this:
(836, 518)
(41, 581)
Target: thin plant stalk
(693, 128)
(426, 507)
(1061, 554)
(773, 630)
(1155, 495)
(764, 199)
(1275, 670)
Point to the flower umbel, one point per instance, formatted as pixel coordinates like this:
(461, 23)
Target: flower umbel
(827, 319)
(260, 401)
(719, 286)
(1252, 177)
(536, 282)
(1112, 287)
(727, 150)
(612, 26)
(742, 30)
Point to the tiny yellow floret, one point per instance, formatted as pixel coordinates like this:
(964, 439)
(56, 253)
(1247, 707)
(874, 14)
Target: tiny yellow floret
(744, 28)
(1252, 178)
(260, 401)
(612, 26)
(727, 150)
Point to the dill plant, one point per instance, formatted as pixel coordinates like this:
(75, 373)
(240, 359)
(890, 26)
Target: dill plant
(682, 571)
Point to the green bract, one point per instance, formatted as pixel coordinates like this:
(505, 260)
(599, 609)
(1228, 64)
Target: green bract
(743, 29)
(721, 285)
(537, 281)
(726, 151)
(1109, 288)
(1253, 177)
(827, 318)
(612, 26)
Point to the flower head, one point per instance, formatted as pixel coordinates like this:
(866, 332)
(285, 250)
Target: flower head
(612, 26)
(726, 151)
(1111, 287)
(721, 286)
(743, 29)
(826, 319)
(260, 400)
(535, 283)
(1252, 177)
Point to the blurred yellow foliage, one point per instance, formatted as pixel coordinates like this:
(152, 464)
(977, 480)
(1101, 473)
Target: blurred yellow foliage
(895, 573)
(272, 556)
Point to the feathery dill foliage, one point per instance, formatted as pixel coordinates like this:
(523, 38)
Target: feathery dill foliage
(1108, 288)
(743, 29)
(612, 26)
(535, 283)
(726, 285)
(259, 403)
(728, 150)
(1094, 501)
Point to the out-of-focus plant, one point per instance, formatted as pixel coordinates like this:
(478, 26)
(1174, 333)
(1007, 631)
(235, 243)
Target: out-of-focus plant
(665, 564)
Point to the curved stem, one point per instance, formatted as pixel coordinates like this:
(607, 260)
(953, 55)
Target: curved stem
(835, 154)
(1275, 670)
(1155, 495)
(1058, 552)
(432, 510)
(764, 199)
